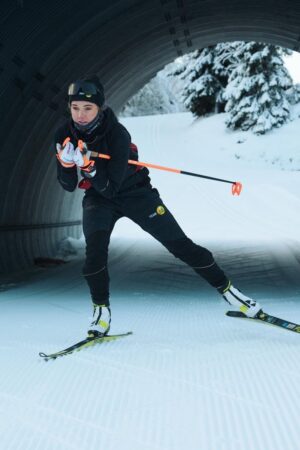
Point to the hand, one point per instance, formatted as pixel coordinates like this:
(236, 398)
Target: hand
(83, 161)
(65, 153)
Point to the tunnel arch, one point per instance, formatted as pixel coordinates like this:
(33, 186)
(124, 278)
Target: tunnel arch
(45, 45)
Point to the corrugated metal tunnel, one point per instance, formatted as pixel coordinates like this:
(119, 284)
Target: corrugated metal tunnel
(46, 44)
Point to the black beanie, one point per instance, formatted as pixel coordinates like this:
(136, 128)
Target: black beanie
(97, 98)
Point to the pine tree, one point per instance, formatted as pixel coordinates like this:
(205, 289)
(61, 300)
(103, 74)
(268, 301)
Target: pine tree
(225, 61)
(293, 94)
(256, 91)
(148, 100)
(156, 97)
(201, 86)
(205, 73)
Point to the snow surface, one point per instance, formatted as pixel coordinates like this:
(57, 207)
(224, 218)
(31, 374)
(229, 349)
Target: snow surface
(189, 378)
(292, 62)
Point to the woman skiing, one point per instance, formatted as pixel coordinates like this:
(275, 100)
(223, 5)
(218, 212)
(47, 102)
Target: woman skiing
(114, 189)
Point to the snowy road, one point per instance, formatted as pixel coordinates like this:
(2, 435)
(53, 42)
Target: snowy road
(189, 378)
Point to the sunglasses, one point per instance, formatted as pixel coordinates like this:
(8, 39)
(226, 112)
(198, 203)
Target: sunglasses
(82, 87)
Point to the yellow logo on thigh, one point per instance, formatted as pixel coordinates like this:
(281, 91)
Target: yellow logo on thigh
(160, 210)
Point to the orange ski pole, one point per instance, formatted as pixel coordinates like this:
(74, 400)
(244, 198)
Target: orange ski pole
(236, 185)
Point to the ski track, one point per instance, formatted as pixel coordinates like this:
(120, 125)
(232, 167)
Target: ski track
(189, 377)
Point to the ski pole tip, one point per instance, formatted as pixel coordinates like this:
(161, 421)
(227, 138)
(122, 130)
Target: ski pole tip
(236, 188)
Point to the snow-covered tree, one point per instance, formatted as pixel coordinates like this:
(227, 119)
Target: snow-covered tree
(224, 62)
(205, 74)
(198, 82)
(256, 92)
(293, 94)
(156, 97)
(201, 87)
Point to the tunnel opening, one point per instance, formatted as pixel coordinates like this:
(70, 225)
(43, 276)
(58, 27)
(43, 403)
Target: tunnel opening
(126, 43)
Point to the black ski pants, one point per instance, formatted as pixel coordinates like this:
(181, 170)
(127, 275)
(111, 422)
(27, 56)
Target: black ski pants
(143, 206)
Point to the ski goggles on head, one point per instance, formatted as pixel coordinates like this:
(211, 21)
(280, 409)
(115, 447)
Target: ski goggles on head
(82, 87)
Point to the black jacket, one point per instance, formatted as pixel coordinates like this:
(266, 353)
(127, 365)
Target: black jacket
(112, 176)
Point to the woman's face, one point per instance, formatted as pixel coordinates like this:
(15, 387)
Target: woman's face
(83, 112)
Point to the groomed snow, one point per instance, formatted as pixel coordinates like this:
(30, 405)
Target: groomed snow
(189, 377)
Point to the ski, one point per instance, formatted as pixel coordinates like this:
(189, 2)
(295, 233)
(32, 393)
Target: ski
(88, 342)
(267, 318)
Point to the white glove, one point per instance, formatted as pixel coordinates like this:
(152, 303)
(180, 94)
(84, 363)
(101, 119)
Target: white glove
(79, 159)
(82, 160)
(65, 153)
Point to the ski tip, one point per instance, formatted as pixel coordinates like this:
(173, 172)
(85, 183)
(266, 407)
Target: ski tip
(86, 342)
(45, 357)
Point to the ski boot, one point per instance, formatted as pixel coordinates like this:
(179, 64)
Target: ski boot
(246, 305)
(101, 321)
